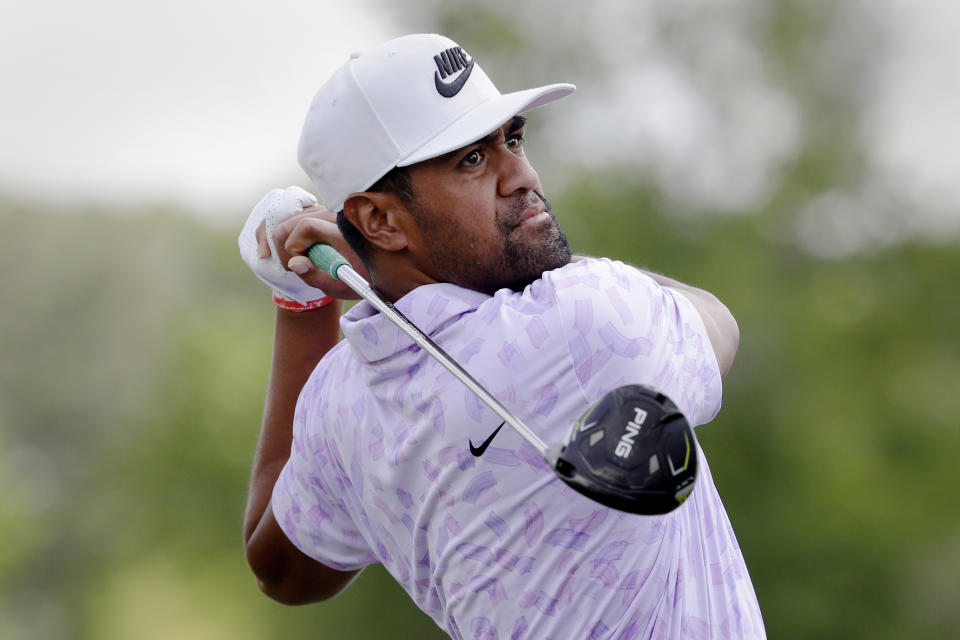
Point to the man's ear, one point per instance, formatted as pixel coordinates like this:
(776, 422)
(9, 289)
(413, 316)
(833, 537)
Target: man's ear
(380, 217)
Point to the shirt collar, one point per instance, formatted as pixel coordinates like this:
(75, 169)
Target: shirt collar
(374, 337)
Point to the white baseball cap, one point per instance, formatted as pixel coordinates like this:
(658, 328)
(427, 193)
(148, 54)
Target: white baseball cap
(408, 100)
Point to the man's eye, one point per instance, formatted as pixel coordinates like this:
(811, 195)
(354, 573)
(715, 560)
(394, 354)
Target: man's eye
(515, 141)
(472, 159)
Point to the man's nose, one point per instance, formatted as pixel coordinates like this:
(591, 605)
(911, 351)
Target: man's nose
(516, 174)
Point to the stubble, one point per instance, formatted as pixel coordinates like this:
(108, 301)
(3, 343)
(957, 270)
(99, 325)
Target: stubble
(516, 257)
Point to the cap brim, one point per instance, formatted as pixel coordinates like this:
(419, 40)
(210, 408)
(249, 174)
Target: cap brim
(485, 118)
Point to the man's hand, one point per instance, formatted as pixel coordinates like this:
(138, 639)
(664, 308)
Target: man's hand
(292, 216)
(296, 234)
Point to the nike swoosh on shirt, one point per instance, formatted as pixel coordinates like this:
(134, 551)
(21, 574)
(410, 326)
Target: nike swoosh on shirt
(478, 451)
(450, 89)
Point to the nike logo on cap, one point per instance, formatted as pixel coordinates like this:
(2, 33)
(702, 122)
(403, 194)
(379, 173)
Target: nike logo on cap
(449, 62)
(478, 451)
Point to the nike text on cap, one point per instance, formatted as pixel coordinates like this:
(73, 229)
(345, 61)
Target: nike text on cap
(408, 100)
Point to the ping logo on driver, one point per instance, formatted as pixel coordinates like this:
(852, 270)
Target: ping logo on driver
(632, 428)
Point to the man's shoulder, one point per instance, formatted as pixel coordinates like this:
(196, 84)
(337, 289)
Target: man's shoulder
(596, 273)
(332, 367)
(587, 294)
(602, 279)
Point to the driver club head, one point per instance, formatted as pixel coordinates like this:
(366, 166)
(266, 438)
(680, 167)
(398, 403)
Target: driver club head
(633, 450)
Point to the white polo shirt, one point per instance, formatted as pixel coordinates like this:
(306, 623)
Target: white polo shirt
(496, 546)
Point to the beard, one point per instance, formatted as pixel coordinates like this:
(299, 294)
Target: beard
(514, 258)
(528, 261)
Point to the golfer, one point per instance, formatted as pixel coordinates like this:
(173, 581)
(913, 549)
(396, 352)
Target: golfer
(371, 452)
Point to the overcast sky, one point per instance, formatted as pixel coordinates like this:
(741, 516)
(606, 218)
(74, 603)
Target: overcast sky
(200, 103)
(192, 101)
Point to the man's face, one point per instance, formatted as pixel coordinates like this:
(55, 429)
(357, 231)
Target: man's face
(482, 218)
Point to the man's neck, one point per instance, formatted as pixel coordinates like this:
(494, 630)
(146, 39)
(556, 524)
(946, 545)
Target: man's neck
(394, 277)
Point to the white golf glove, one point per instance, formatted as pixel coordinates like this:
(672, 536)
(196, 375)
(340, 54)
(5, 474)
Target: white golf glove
(273, 208)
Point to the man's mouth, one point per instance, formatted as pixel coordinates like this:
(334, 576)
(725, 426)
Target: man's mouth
(532, 214)
(536, 211)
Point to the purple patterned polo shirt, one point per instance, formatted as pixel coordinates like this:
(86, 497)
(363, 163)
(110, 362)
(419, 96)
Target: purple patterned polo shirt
(495, 547)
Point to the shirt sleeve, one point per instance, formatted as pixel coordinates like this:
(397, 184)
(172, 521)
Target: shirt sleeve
(623, 328)
(308, 497)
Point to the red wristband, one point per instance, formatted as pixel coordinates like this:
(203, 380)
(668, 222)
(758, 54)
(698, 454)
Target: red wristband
(292, 305)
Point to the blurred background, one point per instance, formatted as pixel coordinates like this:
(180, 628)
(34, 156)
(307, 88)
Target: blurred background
(798, 158)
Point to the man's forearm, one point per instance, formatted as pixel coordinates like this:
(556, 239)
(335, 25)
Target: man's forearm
(720, 324)
(665, 281)
(300, 341)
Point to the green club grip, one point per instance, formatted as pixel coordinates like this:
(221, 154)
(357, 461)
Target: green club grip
(327, 258)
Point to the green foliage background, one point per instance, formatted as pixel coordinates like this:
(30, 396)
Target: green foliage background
(135, 351)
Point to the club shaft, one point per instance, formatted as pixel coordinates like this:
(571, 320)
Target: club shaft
(346, 274)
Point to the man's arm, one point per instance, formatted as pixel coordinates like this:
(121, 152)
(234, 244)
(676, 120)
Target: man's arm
(301, 339)
(721, 326)
(284, 572)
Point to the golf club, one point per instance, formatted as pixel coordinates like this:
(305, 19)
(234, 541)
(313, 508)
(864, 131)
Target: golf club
(633, 450)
